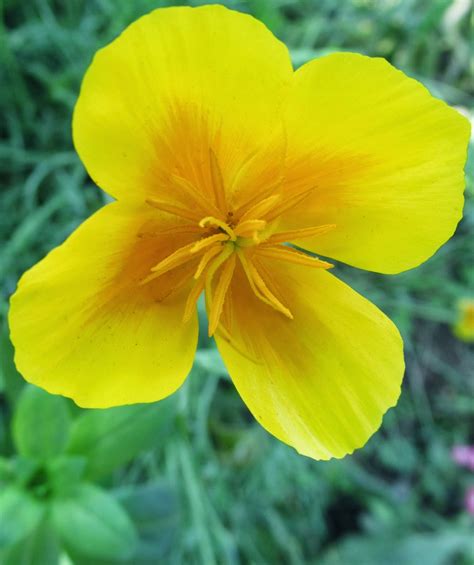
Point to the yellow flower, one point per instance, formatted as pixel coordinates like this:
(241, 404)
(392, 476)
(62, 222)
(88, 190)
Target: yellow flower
(464, 327)
(218, 153)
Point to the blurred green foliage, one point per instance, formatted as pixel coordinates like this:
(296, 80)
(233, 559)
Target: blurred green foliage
(194, 479)
(49, 502)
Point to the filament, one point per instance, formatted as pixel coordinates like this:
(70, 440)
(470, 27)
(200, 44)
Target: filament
(220, 293)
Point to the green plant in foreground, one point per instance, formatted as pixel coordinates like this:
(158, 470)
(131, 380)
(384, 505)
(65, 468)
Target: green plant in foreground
(50, 501)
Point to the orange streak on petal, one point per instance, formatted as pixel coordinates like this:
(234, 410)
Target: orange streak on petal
(172, 209)
(293, 256)
(174, 230)
(288, 204)
(217, 182)
(293, 235)
(195, 194)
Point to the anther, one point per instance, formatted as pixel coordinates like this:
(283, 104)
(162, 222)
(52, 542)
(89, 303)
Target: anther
(211, 221)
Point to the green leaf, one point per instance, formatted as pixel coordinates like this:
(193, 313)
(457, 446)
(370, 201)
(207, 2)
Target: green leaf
(19, 515)
(41, 547)
(65, 472)
(155, 511)
(4, 434)
(210, 361)
(94, 524)
(41, 424)
(9, 376)
(305, 54)
(432, 549)
(24, 470)
(110, 438)
(6, 470)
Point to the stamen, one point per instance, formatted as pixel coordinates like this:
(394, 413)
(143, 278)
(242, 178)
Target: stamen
(261, 289)
(262, 286)
(201, 282)
(293, 235)
(171, 209)
(293, 256)
(249, 227)
(217, 182)
(176, 259)
(289, 203)
(192, 192)
(220, 293)
(261, 207)
(262, 195)
(216, 250)
(210, 254)
(220, 259)
(192, 299)
(255, 290)
(207, 241)
(211, 221)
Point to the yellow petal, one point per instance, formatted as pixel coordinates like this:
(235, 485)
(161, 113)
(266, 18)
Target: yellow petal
(182, 98)
(322, 381)
(385, 159)
(83, 326)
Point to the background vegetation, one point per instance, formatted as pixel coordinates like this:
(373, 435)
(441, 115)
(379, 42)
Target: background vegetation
(194, 479)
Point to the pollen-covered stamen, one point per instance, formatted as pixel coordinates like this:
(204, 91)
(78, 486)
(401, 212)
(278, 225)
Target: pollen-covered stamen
(221, 289)
(220, 224)
(208, 241)
(260, 287)
(215, 308)
(176, 259)
(249, 228)
(261, 208)
(208, 265)
(230, 234)
(206, 258)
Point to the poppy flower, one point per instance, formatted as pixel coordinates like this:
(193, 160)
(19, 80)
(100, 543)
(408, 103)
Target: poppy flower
(230, 170)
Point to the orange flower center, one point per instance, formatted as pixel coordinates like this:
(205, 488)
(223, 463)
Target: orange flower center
(226, 237)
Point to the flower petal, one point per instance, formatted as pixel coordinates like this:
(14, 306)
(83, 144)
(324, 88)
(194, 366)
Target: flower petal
(179, 94)
(322, 381)
(385, 157)
(84, 327)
